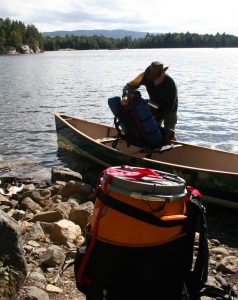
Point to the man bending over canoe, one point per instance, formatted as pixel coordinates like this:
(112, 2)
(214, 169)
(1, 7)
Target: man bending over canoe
(163, 97)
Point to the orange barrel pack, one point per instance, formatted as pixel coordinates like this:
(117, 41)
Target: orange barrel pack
(139, 207)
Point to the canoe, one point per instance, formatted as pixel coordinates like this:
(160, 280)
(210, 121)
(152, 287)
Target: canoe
(213, 172)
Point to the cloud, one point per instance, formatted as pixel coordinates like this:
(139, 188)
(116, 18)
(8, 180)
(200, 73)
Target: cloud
(152, 15)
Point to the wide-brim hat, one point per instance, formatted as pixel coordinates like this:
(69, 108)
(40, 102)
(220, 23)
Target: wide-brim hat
(155, 70)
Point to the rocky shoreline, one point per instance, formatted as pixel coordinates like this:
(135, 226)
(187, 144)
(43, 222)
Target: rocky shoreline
(24, 49)
(42, 224)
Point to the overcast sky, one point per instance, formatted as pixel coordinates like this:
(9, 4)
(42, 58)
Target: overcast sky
(201, 16)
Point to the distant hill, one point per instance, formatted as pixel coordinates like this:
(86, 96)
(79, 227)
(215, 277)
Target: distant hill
(116, 34)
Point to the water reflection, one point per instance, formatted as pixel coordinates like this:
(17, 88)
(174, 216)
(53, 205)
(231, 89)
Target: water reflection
(76, 162)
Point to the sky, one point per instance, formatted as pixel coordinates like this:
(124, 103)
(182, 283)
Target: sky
(160, 16)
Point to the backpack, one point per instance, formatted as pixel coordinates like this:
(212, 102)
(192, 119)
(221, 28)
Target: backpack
(140, 239)
(137, 121)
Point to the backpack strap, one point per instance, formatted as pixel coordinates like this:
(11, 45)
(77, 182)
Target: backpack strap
(80, 277)
(137, 213)
(197, 223)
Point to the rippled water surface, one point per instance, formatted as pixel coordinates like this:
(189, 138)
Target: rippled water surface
(79, 83)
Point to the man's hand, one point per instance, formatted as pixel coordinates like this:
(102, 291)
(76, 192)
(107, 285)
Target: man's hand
(124, 101)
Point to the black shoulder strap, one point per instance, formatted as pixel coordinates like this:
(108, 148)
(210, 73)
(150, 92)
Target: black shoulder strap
(197, 223)
(136, 213)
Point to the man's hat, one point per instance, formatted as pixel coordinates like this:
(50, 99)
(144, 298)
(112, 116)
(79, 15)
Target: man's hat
(155, 70)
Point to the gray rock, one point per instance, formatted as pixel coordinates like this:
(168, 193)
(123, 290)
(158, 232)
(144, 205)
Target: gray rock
(55, 189)
(46, 203)
(35, 232)
(77, 198)
(29, 188)
(11, 247)
(81, 214)
(5, 208)
(228, 264)
(28, 248)
(47, 227)
(219, 250)
(64, 208)
(48, 216)
(18, 214)
(39, 251)
(5, 201)
(75, 187)
(73, 203)
(57, 198)
(53, 289)
(40, 194)
(37, 277)
(25, 49)
(215, 242)
(33, 244)
(64, 174)
(53, 257)
(31, 205)
(35, 293)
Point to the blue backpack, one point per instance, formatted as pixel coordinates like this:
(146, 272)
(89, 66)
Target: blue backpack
(137, 121)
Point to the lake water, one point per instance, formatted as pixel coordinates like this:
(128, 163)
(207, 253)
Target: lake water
(78, 83)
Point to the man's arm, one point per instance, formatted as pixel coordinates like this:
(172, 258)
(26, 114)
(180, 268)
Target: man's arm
(133, 85)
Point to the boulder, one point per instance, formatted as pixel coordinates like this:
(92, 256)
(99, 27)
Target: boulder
(53, 257)
(34, 293)
(65, 231)
(64, 174)
(75, 187)
(31, 205)
(80, 214)
(48, 216)
(11, 247)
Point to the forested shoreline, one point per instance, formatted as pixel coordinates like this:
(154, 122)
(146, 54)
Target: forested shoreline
(16, 37)
(167, 40)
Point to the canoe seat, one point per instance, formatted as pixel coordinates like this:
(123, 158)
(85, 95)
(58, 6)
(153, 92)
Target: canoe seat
(105, 140)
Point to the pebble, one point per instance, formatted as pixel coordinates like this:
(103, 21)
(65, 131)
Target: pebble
(53, 289)
(219, 250)
(33, 244)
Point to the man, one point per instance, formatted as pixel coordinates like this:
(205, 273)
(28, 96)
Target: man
(163, 97)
